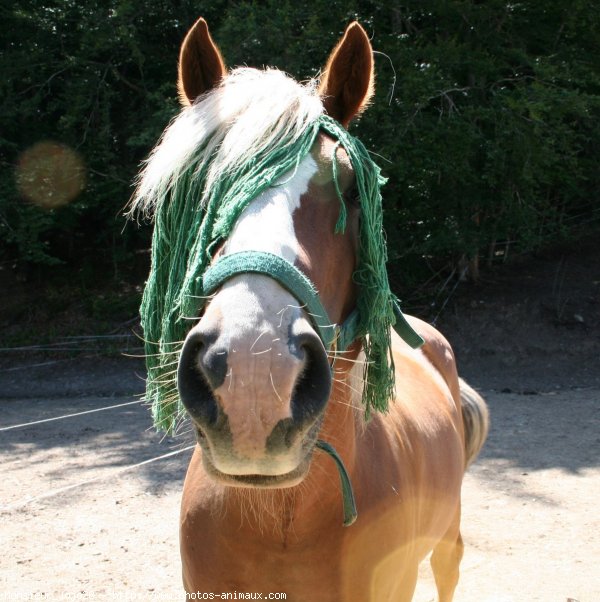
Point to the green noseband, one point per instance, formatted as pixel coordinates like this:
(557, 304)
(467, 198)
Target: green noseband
(299, 285)
(281, 270)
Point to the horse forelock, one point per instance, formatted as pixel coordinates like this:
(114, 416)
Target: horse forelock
(248, 113)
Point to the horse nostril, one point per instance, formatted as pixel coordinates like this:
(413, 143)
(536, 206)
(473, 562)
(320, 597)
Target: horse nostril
(212, 362)
(200, 372)
(314, 384)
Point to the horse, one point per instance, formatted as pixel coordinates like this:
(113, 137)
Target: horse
(270, 321)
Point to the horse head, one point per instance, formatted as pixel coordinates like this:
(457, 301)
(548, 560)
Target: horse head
(254, 374)
(269, 230)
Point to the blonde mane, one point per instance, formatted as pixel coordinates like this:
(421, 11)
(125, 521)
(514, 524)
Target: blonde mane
(248, 112)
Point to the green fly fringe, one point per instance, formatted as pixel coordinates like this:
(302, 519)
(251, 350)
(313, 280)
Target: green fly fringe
(191, 221)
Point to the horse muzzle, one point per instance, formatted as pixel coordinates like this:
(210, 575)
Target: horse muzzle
(255, 387)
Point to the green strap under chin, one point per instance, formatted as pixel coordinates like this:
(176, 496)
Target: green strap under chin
(350, 512)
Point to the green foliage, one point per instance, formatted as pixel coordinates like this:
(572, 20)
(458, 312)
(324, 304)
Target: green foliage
(486, 115)
(492, 128)
(99, 78)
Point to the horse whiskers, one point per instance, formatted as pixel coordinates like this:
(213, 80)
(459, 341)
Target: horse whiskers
(268, 509)
(261, 352)
(203, 297)
(171, 401)
(156, 344)
(230, 375)
(264, 331)
(271, 510)
(349, 376)
(274, 388)
(159, 354)
(218, 509)
(186, 436)
(339, 355)
(166, 376)
(282, 311)
(171, 354)
(340, 352)
(169, 372)
(341, 375)
(341, 359)
(330, 325)
(349, 405)
(321, 470)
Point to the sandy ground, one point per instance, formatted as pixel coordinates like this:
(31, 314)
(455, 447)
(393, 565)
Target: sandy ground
(86, 516)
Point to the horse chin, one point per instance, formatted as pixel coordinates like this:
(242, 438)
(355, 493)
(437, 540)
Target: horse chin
(257, 481)
(270, 480)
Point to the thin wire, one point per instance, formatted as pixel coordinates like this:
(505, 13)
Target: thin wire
(54, 492)
(35, 422)
(450, 294)
(394, 79)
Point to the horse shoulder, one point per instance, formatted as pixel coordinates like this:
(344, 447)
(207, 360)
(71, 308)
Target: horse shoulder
(424, 418)
(417, 446)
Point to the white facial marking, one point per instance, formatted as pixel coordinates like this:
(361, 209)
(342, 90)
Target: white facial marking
(256, 316)
(267, 223)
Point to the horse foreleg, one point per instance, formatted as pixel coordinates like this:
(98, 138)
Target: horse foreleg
(445, 562)
(406, 584)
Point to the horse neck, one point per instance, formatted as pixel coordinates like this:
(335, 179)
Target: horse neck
(297, 513)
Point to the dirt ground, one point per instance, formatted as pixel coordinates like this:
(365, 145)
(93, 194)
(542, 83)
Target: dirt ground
(89, 504)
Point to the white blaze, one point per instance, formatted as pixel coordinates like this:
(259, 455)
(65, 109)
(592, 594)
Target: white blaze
(256, 316)
(267, 223)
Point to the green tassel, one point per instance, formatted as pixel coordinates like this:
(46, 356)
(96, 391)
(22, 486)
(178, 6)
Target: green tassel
(340, 226)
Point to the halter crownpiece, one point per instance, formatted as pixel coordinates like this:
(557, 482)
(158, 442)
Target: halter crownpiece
(191, 219)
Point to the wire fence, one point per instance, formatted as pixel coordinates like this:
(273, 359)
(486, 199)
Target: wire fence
(34, 424)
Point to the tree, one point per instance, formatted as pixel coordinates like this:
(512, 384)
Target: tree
(486, 115)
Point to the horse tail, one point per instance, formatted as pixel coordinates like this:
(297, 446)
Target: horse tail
(476, 421)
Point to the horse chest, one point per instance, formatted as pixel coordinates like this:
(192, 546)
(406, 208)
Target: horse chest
(332, 564)
(219, 562)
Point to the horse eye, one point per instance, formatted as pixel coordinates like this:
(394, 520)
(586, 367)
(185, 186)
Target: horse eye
(352, 196)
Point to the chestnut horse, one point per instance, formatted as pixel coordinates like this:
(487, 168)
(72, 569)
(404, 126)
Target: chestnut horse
(261, 510)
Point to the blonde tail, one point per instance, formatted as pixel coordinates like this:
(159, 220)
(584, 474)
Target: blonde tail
(476, 421)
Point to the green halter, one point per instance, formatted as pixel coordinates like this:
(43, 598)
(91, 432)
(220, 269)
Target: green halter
(294, 281)
(191, 221)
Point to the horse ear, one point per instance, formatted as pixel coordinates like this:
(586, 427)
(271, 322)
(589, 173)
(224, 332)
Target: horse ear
(201, 65)
(347, 83)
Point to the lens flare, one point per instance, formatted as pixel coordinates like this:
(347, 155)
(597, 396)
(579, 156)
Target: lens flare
(50, 174)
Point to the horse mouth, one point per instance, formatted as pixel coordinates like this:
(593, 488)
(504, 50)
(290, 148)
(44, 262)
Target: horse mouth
(260, 480)
(257, 481)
